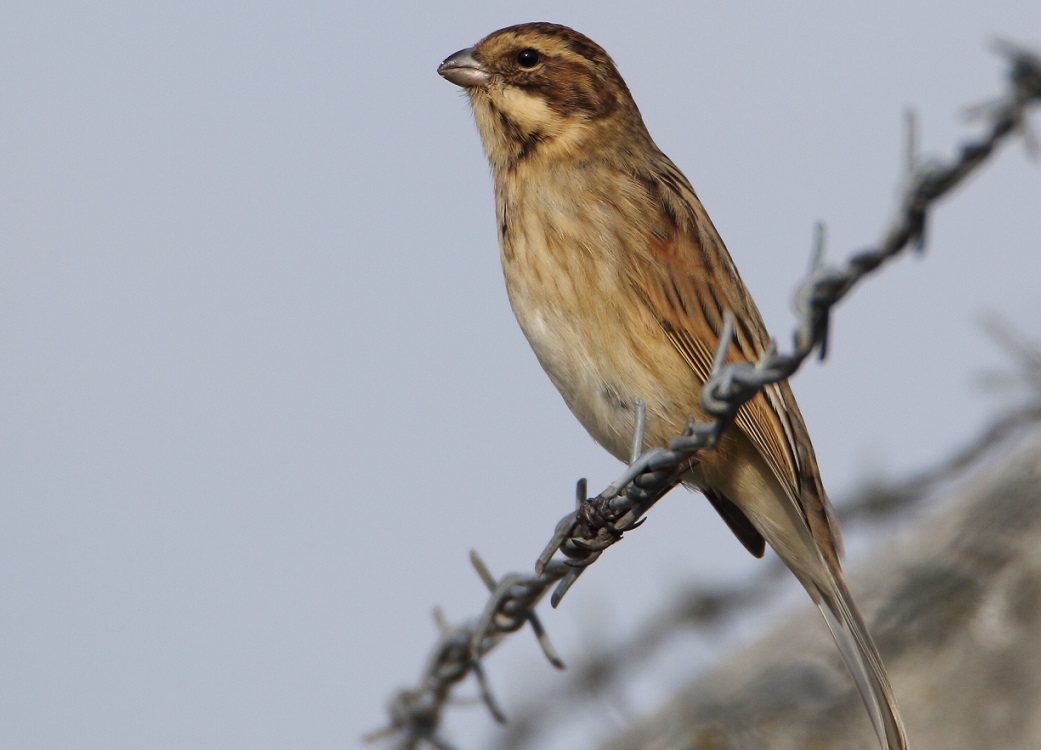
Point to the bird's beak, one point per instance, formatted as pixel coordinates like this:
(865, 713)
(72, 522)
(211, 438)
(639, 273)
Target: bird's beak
(462, 69)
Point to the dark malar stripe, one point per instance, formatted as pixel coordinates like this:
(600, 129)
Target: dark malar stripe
(526, 143)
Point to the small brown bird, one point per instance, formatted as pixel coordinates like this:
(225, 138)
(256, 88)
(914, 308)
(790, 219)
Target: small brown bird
(620, 282)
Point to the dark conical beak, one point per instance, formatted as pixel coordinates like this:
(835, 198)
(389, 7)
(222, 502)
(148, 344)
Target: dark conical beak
(462, 69)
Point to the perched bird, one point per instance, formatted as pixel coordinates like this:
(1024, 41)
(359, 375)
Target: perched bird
(620, 283)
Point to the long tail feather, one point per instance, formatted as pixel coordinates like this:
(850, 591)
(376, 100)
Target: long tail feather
(863, 661)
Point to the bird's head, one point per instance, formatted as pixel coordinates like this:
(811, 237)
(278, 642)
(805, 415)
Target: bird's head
(540, 89)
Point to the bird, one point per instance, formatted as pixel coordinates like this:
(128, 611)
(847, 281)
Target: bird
(621, 284)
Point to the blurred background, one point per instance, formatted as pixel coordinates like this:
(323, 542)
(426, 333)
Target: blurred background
(261, 390)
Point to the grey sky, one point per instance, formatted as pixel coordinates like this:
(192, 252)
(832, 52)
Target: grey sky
(261, 390)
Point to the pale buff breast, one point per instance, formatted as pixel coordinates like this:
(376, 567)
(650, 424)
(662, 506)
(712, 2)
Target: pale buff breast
(567, 285)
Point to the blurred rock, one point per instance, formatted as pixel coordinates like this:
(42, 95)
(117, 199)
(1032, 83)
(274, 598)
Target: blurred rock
(955, 608)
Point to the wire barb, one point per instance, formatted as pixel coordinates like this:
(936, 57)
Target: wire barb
(639, 425)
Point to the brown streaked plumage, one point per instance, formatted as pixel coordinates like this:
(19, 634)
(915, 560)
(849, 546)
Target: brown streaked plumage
(620, 283)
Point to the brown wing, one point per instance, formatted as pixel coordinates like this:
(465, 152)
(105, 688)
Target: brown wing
(737, 522)
(689, 281)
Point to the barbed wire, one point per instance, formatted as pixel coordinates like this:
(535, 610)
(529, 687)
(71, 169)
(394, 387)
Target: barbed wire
(601, 521)
(707, 607)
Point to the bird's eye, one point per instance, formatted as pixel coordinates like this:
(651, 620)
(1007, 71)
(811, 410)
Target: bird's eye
(528, 57)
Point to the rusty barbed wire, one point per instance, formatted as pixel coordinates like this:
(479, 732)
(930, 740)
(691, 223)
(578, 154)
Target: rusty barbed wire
(598, 522)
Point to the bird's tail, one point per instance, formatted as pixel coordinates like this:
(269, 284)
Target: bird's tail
(862, 659)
